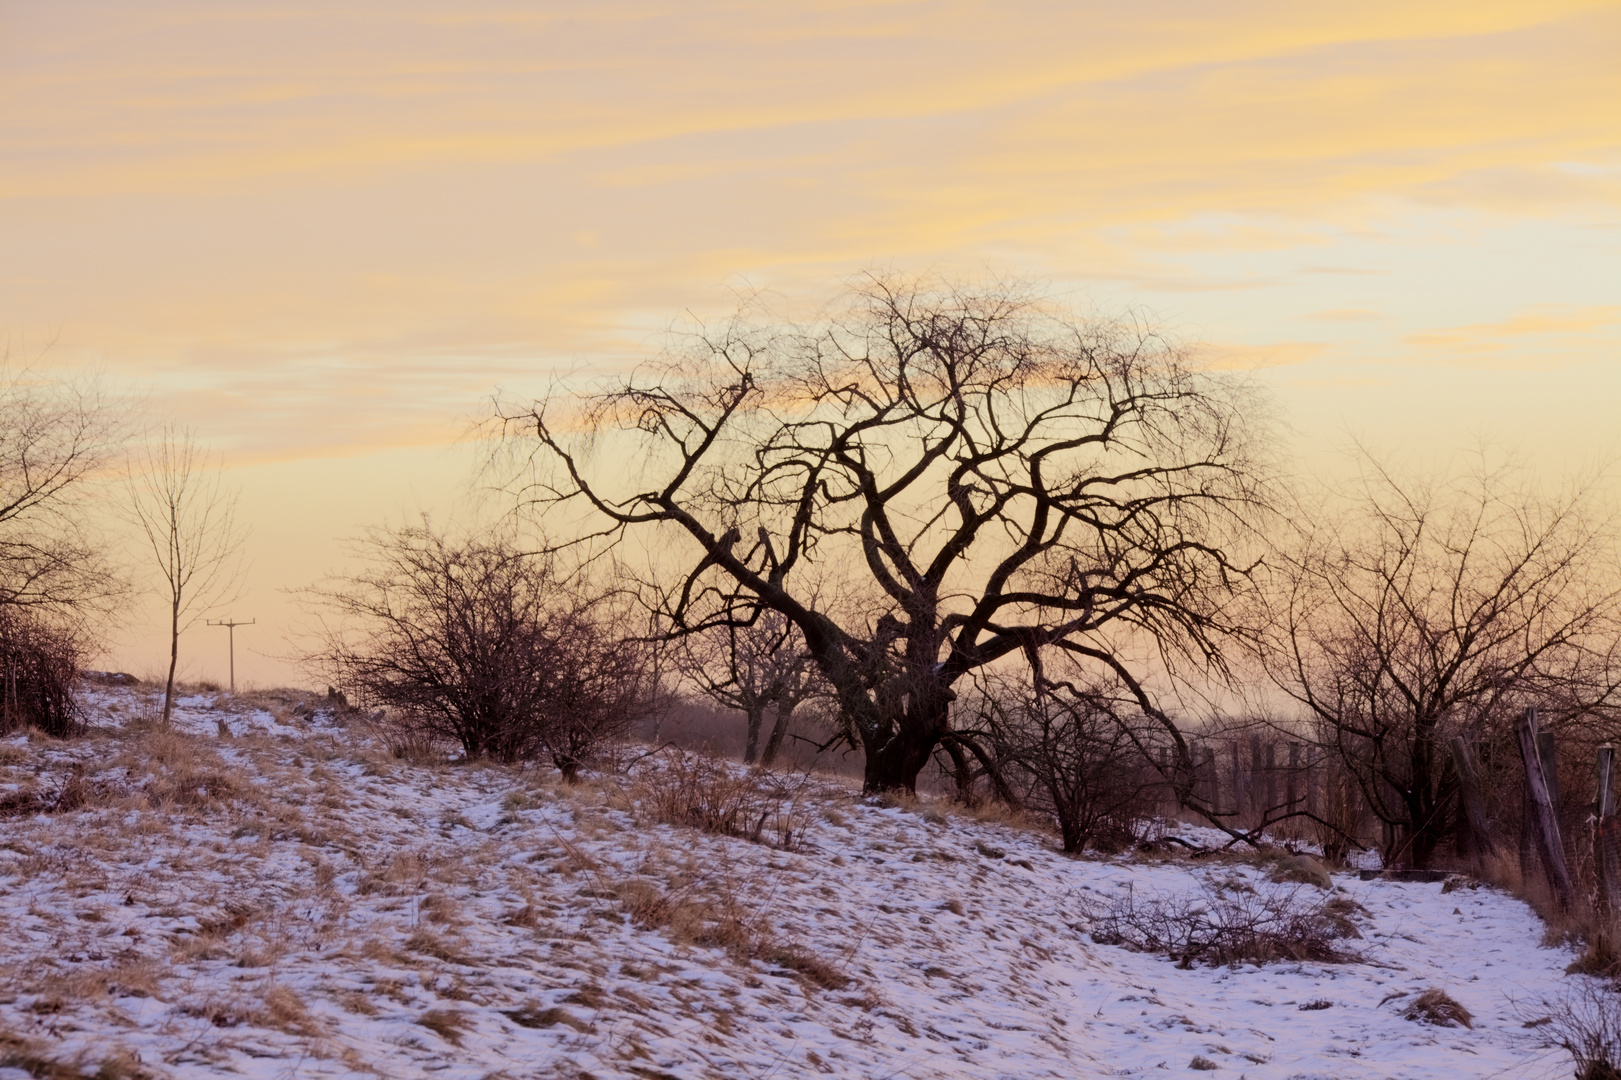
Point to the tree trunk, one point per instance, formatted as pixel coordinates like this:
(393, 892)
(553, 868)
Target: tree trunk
(174, 658)
(755, 717)
(898, 749)
(779, 731)
(894, 764)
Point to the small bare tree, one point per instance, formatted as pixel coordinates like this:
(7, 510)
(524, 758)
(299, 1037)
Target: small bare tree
(754, 668)
(1411, 612)
(1080, 754)
(178, 499)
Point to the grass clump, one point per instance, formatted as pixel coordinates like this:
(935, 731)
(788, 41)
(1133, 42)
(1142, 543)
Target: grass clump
(1435, 1006)
(714, 796)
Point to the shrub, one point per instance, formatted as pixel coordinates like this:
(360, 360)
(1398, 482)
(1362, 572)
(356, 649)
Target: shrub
(39, 666)
(709, 794)
(479, 642)
(1585, 1022)
(1223, 926)
(1075, 754)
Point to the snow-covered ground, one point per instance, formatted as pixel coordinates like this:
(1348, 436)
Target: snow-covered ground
(267, 893)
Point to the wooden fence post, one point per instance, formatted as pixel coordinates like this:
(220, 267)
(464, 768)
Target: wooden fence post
(1481, 846)
(1240, 788)
(1544, 819)
(1607, 841)
(1257, 780)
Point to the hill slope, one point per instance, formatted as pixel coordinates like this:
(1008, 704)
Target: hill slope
(264, 893)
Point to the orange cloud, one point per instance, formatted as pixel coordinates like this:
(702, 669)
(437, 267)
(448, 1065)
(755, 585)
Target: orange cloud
(1545, 336)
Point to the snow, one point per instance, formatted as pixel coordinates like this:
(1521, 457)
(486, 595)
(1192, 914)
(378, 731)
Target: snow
(340, 913)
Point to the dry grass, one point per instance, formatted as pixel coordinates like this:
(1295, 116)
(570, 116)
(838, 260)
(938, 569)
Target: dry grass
(1435, 1006)
(715, 796)
(448, 1024)
(285, 1010)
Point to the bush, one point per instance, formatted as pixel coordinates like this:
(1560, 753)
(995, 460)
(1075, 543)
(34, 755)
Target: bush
(480, 643)
(1075, 754)
(1224, 925)
(1584, 1021)
(39, 667)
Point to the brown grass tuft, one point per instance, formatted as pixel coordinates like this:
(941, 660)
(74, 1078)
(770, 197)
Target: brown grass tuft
(448, 1024)
(715, 796)
(1435, 1006)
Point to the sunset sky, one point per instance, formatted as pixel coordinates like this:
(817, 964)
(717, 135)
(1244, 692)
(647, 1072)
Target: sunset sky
(324, 235)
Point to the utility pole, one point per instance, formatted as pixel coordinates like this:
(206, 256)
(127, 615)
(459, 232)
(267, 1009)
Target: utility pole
(228, 623)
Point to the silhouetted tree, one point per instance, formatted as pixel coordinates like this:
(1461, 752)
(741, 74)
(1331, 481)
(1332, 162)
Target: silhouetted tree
(993, 476)
(1406, 611)
(478, 641)
(186, 514)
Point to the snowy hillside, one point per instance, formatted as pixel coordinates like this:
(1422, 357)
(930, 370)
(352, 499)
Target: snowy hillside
(269, 894)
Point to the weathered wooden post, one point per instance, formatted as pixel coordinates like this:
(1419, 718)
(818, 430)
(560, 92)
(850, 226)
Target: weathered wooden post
(1550, 765)
(1607, 841)
(1544, 819)
(1240, 788)
(1258, 799)
(1294, 777)
(1481, 846)
(1269, 801)
(1314, 780)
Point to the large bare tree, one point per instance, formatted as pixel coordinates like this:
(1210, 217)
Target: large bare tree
(1408, 610)
(987, 475)
(178, 499)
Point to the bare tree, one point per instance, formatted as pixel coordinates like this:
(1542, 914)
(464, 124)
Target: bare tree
(996, 477)
(56, 581)
(1407, 612)
(754, 669)
(1075, 753)
(179, 501)
(479, 641)
(56, 440)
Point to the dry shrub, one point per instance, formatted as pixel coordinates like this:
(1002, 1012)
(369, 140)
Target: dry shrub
(17, 1052)
(179, 771)
(1436, 1006)
(533, 1015)
(39, 668)
(75, 791)
(482, 642)
(1223, 926)
(713, 795)
(1584, 1021)
(807, 964)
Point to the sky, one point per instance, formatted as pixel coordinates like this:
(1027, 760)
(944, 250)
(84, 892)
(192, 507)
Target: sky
(323, 236)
